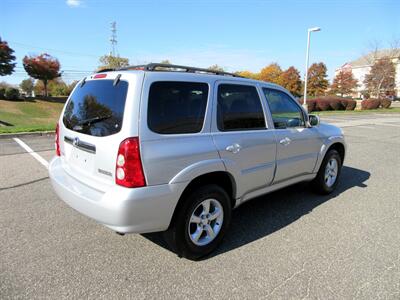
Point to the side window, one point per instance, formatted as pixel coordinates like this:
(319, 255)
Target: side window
(285, 113)
(239, 108)
(177, 107)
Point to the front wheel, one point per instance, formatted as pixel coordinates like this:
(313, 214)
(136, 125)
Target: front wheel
(328, 174)
(201, 222)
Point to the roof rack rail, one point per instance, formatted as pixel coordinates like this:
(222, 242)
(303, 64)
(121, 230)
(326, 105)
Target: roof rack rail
(171, 68)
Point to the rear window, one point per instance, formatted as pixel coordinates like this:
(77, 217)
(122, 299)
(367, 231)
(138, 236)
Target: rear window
(239, 108)
(96, 108)
(177, 107)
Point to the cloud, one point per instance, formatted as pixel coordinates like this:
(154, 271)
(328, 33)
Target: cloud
(74, 3)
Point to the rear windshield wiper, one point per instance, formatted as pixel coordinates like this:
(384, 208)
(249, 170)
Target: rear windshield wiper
(93, 120)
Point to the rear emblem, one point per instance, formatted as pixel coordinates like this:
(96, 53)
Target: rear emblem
(75, 142)
(104, 172)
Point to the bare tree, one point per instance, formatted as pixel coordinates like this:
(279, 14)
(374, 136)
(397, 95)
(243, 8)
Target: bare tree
(376, 50)
(381, 79)
(371, 54)
(394, 47)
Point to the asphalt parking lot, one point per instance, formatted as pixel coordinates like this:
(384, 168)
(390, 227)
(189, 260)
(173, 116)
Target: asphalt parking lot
(291, 244)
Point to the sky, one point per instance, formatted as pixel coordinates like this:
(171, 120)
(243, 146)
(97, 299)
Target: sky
(237, 35)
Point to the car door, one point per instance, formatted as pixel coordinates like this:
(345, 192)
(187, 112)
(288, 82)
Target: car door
(297, 144)
(245, 144)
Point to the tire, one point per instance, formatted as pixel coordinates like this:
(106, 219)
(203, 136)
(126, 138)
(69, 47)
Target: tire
(183, 231)
(321, 183)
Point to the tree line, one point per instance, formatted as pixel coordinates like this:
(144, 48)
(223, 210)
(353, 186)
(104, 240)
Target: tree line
(46, 70)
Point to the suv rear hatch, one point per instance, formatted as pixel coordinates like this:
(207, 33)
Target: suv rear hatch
(96, 119)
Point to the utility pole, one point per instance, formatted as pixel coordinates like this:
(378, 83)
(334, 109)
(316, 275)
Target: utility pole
(113, 39)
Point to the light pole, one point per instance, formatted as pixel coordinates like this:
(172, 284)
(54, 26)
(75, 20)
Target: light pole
(307, 57)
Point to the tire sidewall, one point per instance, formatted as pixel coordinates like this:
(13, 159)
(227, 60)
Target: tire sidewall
(321, 174)
(183, 241)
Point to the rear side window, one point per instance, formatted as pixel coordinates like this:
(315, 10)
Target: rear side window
(239, 108)
(96, 108)
(177, 107)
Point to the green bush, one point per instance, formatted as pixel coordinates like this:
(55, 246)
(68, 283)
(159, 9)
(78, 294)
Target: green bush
(2, 92)
(11, 94)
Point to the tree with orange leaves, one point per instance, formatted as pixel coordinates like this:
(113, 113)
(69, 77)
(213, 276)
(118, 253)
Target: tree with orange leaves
(271, 73)
(290, 79)
(43, 67)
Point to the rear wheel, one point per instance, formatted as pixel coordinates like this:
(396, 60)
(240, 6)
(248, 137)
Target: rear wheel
(328, 174)
(200, 223)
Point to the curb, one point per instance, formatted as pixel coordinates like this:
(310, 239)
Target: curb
(25, 134)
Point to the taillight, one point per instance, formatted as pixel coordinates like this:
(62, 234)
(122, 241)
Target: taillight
(129, 170)
(57, 141)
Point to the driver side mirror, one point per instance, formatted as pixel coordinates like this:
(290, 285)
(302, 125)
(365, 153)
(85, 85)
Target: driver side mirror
(314, 120)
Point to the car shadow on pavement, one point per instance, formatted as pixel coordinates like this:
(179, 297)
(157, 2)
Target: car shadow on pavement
(264, 215)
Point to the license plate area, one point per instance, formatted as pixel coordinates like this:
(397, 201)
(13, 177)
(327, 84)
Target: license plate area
(81, 155)
(82, 159)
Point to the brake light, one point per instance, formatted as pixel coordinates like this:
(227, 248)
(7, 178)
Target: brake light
(57, 141)
(100, 76)
(129, 170)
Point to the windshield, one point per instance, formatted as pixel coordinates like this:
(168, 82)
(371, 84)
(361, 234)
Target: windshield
(96, 108)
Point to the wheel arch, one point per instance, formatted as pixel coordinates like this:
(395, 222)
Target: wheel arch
(334, 142)
(340, 148)
(221, 178)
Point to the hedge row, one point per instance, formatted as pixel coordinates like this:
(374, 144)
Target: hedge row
(330, 103)
(9, 93)
(338, 103)
(375, 103)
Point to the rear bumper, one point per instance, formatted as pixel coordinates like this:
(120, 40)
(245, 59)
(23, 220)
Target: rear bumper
(124, 210)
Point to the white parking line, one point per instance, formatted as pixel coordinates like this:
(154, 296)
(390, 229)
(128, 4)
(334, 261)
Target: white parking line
(366, 127)
(33, 153)
(388, 124)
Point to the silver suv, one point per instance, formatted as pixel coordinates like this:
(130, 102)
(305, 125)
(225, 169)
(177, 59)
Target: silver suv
(173, 148)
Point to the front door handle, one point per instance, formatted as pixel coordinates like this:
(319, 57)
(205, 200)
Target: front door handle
(235, 148)
(286, 141)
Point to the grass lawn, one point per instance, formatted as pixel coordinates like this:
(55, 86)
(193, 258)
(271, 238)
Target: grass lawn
(29, 116)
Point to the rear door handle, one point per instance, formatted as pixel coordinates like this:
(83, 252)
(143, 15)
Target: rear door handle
(235, 148)
(286, 141)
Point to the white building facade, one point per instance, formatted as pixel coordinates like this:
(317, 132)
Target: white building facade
(362, 66)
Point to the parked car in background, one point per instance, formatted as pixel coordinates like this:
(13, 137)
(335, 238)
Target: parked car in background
(174, 149)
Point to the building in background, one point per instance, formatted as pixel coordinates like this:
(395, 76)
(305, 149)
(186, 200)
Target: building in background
(361, 67)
